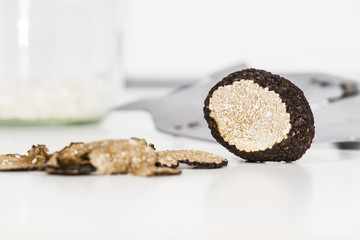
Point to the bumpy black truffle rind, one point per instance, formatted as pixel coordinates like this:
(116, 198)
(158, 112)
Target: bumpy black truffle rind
(302, 130)
(202, 165)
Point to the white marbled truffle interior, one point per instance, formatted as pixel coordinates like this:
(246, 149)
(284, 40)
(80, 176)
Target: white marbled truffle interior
(249, 116)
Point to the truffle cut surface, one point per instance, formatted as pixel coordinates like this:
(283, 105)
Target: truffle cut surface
(248, 116)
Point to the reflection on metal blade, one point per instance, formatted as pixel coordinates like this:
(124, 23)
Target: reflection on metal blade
(338, 121)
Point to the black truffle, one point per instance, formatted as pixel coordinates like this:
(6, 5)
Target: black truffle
(260, 116)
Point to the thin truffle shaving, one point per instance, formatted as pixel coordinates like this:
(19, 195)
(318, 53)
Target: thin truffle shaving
(74, 154)
(38, 155)
(195, 158)
(15, 162)
(35, 160)
(122, 156)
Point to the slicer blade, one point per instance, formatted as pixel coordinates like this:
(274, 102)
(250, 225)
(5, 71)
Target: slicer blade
(336, 111)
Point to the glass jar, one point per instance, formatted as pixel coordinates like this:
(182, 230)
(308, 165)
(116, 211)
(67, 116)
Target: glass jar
(59, 60)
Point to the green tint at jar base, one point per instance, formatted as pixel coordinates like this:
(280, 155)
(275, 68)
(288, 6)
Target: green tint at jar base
(22, 123)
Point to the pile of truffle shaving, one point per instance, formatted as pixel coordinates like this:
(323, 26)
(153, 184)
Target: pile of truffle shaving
(114, 156)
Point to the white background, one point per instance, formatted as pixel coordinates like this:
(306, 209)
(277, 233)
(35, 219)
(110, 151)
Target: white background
(189, 38)
(316, 197)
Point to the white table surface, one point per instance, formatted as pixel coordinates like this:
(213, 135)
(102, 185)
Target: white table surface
(316, 197)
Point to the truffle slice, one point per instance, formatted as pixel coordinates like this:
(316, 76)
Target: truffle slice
(166, 159)
(15, 162)
(260, 116)
(53, 160)
(121, 155)
(74, 154)
(38, 155)
(35, 160)
(195, 158)
(126, 155)
(107, 160)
